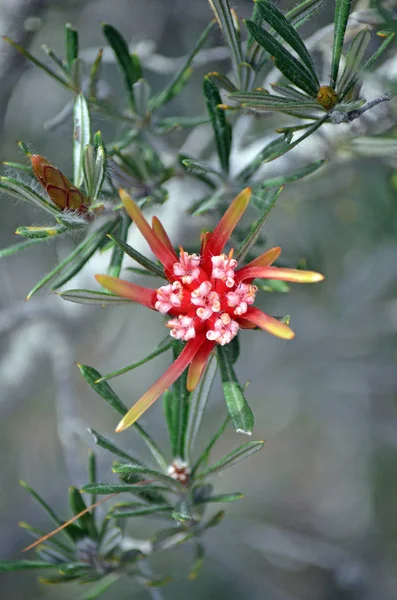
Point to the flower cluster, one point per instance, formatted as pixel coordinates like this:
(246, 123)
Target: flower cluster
(208, 298)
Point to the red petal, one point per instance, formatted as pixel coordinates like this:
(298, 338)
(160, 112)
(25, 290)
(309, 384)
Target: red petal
(293, 275)
(265, 259)
(226, 225)
(162, 235)
(198, 364)
(126, 289)
(164, 255)
(162, 384)
(269, 324)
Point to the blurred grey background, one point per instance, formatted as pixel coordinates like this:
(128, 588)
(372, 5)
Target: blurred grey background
(319, 520)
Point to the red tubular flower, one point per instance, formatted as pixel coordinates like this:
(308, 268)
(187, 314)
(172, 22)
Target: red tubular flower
(208, 299)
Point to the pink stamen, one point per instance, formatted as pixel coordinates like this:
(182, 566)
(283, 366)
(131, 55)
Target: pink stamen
(223, 268)
(169, 296)
(225, 329)
(182, 328)
(207, 301)
(188, 267)
(241, 297)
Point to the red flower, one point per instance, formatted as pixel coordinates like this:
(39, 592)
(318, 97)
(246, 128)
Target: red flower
(208, 298)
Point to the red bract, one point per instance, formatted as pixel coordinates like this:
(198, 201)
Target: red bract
(208, 299)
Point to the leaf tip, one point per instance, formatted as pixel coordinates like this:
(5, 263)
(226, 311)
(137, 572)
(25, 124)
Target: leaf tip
(244, 431)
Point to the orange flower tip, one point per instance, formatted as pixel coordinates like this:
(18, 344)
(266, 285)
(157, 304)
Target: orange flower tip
(243, 431)
(120, 427)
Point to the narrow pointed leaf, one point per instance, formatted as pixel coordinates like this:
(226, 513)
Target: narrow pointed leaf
(198, 562)
(71, 45)
(92, 477)
(239, 410)
(26, 565)
(225, 21)
(91, 376)
(140, 512)
(39, 64)
(221, 81)
(298, 174)
(289, 146)
(342, 10)
(267, 204)
(138, 257)
(160, 349)
(198, 402)
(19, 247)
(92, 297)
(104, 489)
(206, 454)
(128, 65)
(233, 458)
(94, 170)
(180, 78)
(94, 75)
(143, 470)
(353, 61)
(222, 498)
(116, 260)
(261, 157)
(77, 505)
(81, 137)
(101, 587)
(107, 444)
(21, 191)
(220, 125)
(262, 102)
(371, 61)
(271, 15)
(289, 66)
(41, 232)
(72, 264)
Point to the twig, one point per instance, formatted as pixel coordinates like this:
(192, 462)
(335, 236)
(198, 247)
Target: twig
(337, 116)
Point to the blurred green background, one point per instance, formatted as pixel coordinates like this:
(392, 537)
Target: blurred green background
(319, 520)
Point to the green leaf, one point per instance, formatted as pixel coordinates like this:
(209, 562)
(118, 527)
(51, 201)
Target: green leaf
(145, 471)
(248, 171)
(104, 489)
(19, 247)
(39, 64)
(73, 263)
(221, 81)
(94, 75)
(92, 472)
(353, 61)
(289, 66)
(266, 204)
(141, 90)
(116, 260)
(168, 407)
(181, 76)
(107, 444)
(222, 498)
(289, 146)
(25, 565)
(215, 520)
(94, 161)
(180, 407)
(239, 411)
(128, 65)
(71, 45)
(77, 505)
(226, 22)
(289, 92)
(342, 10)
(21, 191)
(371, 61)
(205, 455)
(140, 512)
(45, 233)
(101, 587)
(271, 15)
(300, 13)
(160, 349)
(70, 531)
(220, 125)
(198, 562)
(153, 447)
(92, 297)
(92, 376)
(81, 137)
(298, 174)
(198, 402)
(197, 168)
(232, 458)
(261, 102)
(138, 257)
